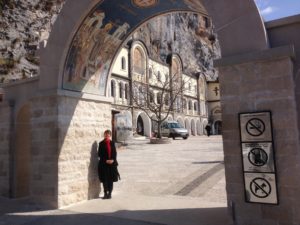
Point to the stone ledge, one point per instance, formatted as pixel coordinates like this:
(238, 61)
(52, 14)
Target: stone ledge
(265, 55)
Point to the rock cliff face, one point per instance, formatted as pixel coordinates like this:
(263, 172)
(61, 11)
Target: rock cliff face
(24, 25)
(189, 35)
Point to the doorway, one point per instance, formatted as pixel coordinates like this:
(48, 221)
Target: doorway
(140, 126)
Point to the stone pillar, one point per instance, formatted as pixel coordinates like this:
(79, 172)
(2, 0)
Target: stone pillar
(5, 112)
(66, 129)
(258, 82)
(44, 150)
(81, 124)
(1, 94)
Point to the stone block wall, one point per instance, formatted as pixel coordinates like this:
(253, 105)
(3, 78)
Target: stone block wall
(81, 124)
(258, 86)
(44, 150)
(4, 148)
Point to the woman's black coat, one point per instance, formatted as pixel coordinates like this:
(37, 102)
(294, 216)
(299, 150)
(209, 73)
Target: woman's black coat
(107, 172)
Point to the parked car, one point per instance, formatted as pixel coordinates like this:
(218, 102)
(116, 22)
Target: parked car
(173, 129)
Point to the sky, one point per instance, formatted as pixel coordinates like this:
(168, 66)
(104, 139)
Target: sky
(275, 9)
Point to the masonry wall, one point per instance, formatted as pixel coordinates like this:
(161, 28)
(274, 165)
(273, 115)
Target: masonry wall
(257, 86)
(4, 148)
(44, 150)
(81, 124)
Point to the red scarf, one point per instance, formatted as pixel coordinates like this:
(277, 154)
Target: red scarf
(108, 148)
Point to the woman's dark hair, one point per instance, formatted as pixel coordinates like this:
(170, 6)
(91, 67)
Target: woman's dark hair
(107, 132)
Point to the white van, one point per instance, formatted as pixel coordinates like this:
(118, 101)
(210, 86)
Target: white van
(173, 129)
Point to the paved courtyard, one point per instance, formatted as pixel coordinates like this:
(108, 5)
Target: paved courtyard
(181, 183)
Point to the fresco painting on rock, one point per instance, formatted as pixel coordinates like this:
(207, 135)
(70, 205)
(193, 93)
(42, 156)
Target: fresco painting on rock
(100, 35)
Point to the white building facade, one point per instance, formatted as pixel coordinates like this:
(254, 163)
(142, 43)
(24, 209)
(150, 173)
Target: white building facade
(135, 73)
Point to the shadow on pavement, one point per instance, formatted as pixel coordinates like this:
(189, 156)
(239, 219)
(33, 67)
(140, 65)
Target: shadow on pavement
(203, 216)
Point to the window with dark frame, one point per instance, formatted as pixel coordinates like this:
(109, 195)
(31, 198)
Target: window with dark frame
(123, 63)
(112, 84)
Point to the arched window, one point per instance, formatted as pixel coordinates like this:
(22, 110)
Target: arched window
(150, 73)
(195, 106)
(121, 90)
(167, 99)
(206, 22)
(151, 97)
(167, 77)
(126, 91)
(178, 105)
(141, 95)
(184, 104)
(190, 105)
(158, 76)
(138, 61)
(123, 63)
(158, 98)
(112, 88)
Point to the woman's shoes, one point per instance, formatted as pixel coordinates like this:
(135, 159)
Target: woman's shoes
(107, 196)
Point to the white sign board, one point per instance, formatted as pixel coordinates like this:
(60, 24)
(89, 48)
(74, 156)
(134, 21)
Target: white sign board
(258, 157)
(123, 126)
(260, 188)
(255, 126)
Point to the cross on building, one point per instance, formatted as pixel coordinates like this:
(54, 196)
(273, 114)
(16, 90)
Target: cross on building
(216, 90)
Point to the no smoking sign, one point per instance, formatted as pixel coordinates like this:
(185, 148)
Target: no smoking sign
(255, 127)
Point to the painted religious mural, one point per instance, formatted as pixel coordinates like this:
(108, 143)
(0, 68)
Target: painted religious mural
(100, 36)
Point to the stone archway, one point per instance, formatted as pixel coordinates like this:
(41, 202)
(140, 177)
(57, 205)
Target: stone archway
(145, 122)
(233, 22)
(226, 17)
(187, 125)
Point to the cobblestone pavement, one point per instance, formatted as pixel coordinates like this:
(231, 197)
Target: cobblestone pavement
(181, 183)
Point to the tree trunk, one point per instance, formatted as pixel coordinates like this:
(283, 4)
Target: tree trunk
(159, 130)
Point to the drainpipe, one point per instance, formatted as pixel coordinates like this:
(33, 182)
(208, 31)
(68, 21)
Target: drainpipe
(12, 140)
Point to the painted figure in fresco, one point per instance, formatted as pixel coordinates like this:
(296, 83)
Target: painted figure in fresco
(108, 165)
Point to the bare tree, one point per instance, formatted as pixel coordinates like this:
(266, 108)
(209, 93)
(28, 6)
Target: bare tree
(158, 96)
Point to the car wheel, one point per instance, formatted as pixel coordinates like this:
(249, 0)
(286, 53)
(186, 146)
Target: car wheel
(173, 136)
(185, 138)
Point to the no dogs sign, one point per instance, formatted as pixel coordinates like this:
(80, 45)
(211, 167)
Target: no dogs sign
(258, 157)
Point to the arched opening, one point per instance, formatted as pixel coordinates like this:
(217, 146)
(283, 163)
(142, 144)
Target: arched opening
(143, 124)
(140, 126)
(218, 127)
(237, 18)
